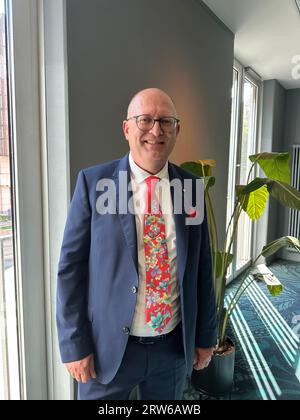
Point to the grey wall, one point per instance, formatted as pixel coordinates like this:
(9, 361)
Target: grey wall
(291, 136)
(280, 130)
(117, 47)
(292, 118)
(272, 140)
(273, 118)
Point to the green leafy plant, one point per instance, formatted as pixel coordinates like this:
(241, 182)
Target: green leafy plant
(252, 199)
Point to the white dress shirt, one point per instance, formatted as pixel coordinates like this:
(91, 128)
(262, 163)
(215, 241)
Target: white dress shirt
(138, 176)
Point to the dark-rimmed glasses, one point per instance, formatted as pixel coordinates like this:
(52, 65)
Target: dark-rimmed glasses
(146, 122)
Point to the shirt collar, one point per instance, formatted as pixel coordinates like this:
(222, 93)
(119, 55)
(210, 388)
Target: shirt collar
(139, 175)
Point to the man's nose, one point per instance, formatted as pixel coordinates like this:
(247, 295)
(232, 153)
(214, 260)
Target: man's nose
(156, 130)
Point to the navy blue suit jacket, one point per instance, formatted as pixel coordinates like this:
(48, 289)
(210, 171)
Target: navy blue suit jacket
(98, 268)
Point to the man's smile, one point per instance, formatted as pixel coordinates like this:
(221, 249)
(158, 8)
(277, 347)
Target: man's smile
(153, 142)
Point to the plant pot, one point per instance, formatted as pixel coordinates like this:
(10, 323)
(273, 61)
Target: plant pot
(217, 378)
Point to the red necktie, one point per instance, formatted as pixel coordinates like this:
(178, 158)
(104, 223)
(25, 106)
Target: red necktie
(158, 287)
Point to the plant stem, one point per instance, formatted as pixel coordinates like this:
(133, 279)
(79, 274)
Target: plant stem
(236, 297)
(214, 225)
(225, 256)
(253, 164)
(213, 235)
(235, 219)
(237, 208)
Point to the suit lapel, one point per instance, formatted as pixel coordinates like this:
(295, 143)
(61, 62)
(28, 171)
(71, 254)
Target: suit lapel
(127, 220)
(182, 230)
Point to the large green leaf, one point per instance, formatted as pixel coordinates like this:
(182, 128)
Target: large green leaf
(253, 203)
(275, 165)
(257, 202)
(197, 169)
(193, 167)
(277, 244)
(252, 186)
(275, 290)
(284, 193)
(200, 168)
(207, 166)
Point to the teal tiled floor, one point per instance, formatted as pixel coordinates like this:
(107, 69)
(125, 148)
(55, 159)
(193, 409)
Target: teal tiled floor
(266, 331)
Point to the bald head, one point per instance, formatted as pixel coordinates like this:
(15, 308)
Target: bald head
(150, 95)
(151, 148)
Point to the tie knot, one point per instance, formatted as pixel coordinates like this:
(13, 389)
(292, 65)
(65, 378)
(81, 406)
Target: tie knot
(151, 181)
(152, 178)
(152, 204)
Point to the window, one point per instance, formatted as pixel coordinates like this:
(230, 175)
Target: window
(243, 143)
(24, 363)
(34, 143)
(9, 348)
(247, 148)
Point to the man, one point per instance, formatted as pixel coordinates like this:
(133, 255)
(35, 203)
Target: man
(135, 300)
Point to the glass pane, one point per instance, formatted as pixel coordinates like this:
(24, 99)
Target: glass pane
(244, 235)
(232, 155)
(9, 360)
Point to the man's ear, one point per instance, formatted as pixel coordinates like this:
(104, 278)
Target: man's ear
(125, 129)
(178, 129)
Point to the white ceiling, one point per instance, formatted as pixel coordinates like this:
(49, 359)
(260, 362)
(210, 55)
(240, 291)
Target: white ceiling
(267, 36)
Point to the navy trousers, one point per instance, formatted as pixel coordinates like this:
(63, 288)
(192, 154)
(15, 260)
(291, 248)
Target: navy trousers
(157, 370)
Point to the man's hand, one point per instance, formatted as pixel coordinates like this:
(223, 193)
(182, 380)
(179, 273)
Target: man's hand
(82, 370)
(202, 357)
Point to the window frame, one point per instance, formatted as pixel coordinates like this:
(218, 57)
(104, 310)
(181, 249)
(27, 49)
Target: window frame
(26, 182)
(243, 73)
(55, 158)
(39, 105)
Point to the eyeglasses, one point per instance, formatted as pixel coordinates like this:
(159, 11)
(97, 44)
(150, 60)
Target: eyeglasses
(146, 122)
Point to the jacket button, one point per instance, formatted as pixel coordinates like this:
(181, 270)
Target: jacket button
(126, 330)
(134, 289)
